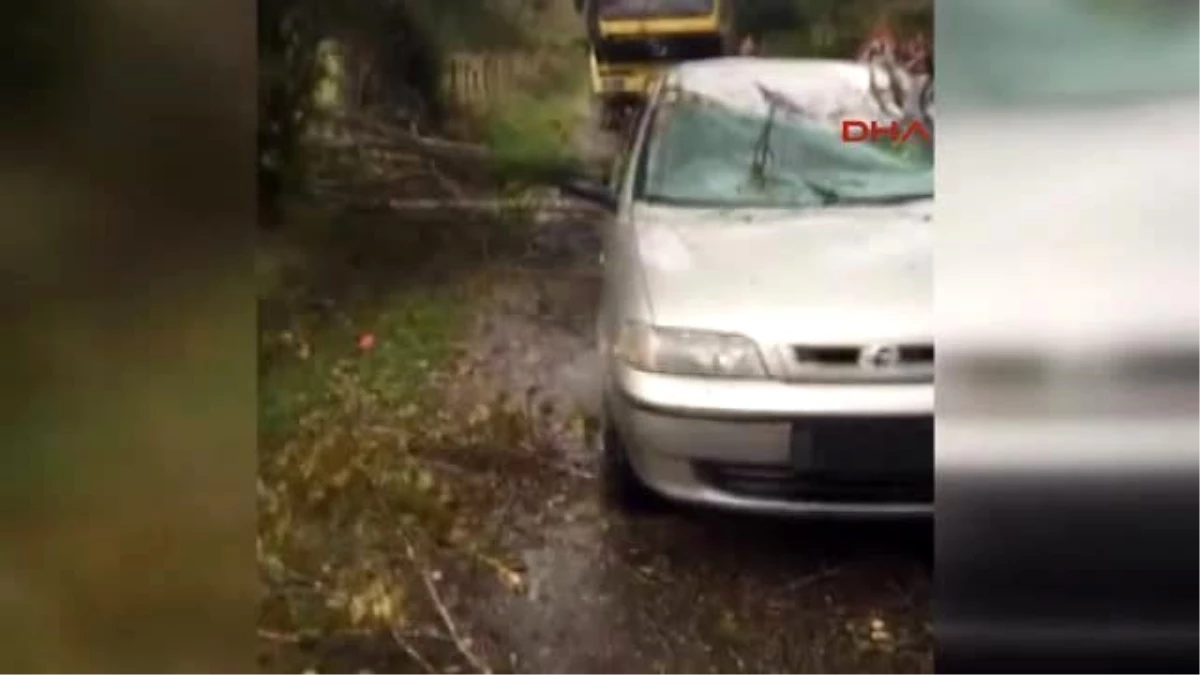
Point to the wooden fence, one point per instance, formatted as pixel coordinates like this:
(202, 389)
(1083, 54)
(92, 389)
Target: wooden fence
(474, 80)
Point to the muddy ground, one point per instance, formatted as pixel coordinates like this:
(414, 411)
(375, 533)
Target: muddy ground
(684, 591)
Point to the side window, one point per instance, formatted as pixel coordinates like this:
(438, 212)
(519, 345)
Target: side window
(657, 117)
(629, 137)
(620, 166)
(626, 161)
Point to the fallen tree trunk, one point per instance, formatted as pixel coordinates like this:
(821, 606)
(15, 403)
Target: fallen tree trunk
(456, 174)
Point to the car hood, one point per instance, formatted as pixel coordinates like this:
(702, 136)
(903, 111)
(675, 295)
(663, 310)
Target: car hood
(833, 275)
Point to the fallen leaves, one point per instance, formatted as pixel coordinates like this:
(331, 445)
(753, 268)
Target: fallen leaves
(510, 578)
(880, 633)
(873, 634)
(463, 643)
(378, 603)
(728, 624)
(361, 474)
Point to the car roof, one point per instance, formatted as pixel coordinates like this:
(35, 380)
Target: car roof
(703, 71)
(825, 87)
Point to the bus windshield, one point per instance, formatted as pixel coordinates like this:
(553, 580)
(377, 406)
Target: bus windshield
(668, 49)
(643, 9)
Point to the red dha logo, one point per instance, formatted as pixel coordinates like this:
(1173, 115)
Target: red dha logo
(857, 131)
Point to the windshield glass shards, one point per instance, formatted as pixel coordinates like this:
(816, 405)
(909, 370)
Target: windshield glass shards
(707, 154)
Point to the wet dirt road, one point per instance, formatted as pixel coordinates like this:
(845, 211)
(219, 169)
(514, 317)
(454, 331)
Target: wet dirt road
(680, 592)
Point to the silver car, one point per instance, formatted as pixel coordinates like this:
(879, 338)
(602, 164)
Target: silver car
(766, 320)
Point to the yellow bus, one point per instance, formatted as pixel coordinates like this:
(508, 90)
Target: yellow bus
(631, 40)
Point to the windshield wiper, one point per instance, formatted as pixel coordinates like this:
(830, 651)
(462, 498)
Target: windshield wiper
(765, 155)
(884, 200)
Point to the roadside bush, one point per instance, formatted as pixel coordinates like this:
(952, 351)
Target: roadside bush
(533, 132)
(829, 28)
(389, 57)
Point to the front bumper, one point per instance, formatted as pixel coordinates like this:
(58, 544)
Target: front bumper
(728, 443)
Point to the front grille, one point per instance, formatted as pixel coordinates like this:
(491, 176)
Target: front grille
(842, 362)
(847, 355)
(833, 356)
(784, 483)
(916, 354)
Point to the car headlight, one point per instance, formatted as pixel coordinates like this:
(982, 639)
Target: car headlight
(678, 351)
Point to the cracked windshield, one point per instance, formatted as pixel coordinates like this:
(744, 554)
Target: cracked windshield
(708, 154)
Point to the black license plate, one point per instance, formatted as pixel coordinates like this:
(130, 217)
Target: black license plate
(857, 448)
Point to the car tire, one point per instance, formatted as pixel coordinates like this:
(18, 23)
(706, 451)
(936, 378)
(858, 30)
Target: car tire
(623, 489)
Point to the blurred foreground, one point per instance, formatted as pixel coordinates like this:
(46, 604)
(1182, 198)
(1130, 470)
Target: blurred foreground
(1067, 329)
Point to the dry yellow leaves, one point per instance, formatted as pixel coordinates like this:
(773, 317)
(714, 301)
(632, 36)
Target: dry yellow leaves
(512, 580)
(424, 481)
(728, 624)
(377, 603)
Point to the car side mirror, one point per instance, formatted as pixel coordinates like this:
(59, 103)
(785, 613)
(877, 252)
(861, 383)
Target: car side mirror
(597, 193)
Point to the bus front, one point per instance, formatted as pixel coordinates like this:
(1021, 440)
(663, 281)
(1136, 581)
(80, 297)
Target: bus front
(632, 39)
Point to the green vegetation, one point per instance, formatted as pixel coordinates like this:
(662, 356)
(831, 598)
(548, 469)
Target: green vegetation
(829, 28)
(360, 315)
(409, 335)
(534, 134)
(334, 279)
(390, 54)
